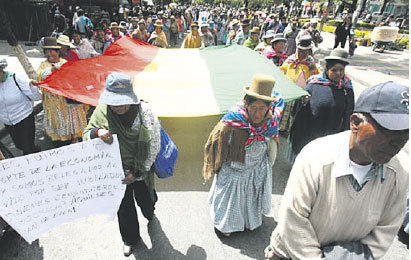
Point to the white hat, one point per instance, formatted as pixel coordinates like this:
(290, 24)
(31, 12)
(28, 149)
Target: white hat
(65, 40)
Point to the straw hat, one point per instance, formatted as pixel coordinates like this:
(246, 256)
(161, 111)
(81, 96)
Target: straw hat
(50, 43)
(119, 91)
(235, 22)
(65, 40)
(158, 23)
(261, 87)
(114, 25)
(194, 24)
(338, 54)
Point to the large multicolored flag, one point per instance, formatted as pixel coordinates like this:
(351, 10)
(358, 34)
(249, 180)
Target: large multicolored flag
(177, 82)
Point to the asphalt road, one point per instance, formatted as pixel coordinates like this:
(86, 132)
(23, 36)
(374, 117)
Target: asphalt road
(183, 228)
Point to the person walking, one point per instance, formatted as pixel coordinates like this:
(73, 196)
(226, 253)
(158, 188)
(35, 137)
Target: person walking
(342, 32)
(120, 112)
(346, 196)
(237, 155)
(329, 108)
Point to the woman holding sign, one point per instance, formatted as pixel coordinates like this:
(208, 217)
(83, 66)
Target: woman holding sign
(138, 132)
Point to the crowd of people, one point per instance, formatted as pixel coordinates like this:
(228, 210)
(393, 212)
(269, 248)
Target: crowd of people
(350, 195)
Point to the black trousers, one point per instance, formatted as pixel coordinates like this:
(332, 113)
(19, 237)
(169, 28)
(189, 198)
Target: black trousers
(127, 214)
(23, 134)
(341, 40)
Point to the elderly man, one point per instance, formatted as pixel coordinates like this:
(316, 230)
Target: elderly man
(346, 194)
(312, 31)
(84, 48)
(243, 34)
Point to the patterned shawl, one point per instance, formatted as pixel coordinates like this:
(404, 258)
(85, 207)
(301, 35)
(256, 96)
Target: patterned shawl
(309, 61)
(237, 117)
(269, 52)
(322, 79)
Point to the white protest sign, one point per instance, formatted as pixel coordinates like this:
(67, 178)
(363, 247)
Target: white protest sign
(41, 191)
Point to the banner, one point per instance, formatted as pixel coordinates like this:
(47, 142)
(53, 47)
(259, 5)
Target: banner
(41, 191)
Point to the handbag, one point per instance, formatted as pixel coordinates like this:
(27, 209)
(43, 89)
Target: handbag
(167, 156)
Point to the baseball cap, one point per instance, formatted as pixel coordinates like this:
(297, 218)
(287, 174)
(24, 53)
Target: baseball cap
(387, 103)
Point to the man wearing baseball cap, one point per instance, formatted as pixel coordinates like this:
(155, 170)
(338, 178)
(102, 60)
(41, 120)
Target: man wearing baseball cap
(346, 194)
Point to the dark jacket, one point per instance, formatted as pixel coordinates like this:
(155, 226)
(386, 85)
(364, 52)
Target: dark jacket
(341, 31)
(327, 112)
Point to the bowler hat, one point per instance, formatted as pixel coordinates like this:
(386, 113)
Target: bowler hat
(261, 87)
(305, 43)
(245, 22)
(50, 43)
(278, 37)
(114, 25)
(158, 23)
(338, 54)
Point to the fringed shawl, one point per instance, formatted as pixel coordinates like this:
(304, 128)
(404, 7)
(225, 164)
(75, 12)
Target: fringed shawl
(225, 143)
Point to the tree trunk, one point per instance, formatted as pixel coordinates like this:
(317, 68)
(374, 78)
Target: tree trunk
(5, 26)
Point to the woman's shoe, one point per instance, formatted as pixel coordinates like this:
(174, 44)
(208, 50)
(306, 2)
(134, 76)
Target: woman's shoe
(219, 233)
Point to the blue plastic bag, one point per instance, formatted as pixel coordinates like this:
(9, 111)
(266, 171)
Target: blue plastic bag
(167, 157)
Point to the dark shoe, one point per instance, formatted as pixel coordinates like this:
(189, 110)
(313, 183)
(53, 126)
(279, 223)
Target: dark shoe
(221, 234)
(127, 250)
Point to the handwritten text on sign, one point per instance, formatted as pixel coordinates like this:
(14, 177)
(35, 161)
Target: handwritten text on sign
(41, 191)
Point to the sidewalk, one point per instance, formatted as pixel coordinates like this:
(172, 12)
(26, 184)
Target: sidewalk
(368, 68)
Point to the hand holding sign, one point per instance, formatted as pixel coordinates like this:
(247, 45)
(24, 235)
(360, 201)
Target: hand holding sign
(41, 191)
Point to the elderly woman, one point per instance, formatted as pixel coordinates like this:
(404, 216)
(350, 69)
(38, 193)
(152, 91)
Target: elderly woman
(193, 38)
(66, 50)
(298, 68)
(237, 152)
(138, 131)
(141, 32)
(275, 52)
(330, 106)
(16, 109)
(159, 36)
(290, 33)
(64, 122)
(269, 35)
